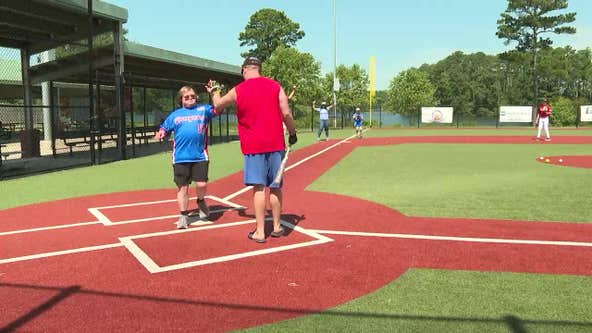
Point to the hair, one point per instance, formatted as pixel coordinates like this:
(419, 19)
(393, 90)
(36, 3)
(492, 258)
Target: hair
(251, 62)
(251, 67)
(182, 91)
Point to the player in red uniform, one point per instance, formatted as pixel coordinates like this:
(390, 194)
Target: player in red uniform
(542, 119)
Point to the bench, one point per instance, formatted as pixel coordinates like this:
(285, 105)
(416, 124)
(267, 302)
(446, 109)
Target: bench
(78, 138)
(4, 154)
(143, 133)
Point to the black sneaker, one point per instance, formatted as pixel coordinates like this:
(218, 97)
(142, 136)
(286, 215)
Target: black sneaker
(204, 211)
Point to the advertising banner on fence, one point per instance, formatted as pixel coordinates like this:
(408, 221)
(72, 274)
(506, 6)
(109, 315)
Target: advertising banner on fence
(515, 114)
(586, 113)
(436, 114)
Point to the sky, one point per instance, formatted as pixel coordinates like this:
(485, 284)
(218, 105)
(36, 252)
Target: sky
(399, 33)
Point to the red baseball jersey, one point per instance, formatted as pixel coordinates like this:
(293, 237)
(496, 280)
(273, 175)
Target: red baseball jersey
(544, 110)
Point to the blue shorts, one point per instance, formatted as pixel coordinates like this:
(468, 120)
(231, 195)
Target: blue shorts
(260, 169)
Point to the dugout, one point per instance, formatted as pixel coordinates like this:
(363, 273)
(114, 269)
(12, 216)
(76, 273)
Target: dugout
(71, 84)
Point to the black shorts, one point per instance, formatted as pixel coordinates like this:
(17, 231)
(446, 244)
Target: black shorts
(184, 173)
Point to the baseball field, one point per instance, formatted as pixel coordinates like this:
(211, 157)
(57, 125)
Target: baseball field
(404, 230)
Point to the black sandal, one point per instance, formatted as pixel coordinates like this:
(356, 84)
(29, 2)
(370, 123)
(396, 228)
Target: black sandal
(250, 236)
(278, 233)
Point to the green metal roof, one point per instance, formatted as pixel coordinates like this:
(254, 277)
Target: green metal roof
(161, 55)
(39, 25)
(100, 8)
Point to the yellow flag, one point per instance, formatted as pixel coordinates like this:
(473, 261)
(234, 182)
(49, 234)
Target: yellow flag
(372, 78)
(372, 86)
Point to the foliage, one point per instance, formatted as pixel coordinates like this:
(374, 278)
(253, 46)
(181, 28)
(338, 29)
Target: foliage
(517, 83)
(353, 86)
(267, 30)
(471, 83)
(526, 21)
(566, 72)
(290, 67)
(409, 91)
(565, 111)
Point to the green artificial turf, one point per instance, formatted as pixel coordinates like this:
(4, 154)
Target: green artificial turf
(501, 181)
(425, 300)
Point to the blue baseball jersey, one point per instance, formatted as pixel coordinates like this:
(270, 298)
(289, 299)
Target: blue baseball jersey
(190, 128)
(358, 119)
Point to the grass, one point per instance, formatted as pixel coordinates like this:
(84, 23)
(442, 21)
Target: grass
(425, 300)
(151, 172)
(498, 181)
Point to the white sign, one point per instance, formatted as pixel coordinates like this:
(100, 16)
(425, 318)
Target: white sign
(586, 113)
(336, 85)
(515, 114)
(436, 114)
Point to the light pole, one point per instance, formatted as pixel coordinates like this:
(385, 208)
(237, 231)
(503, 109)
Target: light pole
(335, 84)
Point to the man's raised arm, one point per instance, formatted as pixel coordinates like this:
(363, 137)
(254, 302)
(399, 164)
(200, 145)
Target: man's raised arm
(220, 102)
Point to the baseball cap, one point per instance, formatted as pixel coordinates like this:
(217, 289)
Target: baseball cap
(357, 109)
(252, 61)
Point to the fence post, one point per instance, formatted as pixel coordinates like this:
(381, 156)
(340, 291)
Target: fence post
(312, 120)
(497, 116)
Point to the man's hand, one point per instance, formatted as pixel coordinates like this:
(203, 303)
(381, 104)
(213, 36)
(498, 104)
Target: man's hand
(292, 139)
(212, 87)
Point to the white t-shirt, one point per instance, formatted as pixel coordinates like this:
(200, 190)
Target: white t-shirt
(324, 113)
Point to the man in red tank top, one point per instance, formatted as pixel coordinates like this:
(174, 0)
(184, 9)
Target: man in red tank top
(262, 109)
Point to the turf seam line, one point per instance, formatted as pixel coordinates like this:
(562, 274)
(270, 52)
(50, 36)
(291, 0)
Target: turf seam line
(452, 238)
(59, 253)
(49, 228)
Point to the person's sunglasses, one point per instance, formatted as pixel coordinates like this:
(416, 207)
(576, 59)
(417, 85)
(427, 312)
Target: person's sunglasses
(188, 97)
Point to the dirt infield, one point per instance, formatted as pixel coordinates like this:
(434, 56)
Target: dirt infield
(583, 161)
(115, 262)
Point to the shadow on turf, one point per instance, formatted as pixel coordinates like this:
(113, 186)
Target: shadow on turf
(216, 212)
(515, 324)
(290, 218)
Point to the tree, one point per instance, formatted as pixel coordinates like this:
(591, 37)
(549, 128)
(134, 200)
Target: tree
(353, 86)
(525, 22)
(409, 91)
(470, 83)
(290, 67)
(266, 30)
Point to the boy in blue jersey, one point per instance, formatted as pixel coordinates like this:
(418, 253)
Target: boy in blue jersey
(358, 119)
(190, 150)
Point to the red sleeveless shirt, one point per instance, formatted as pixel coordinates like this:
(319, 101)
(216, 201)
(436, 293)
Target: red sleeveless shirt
(260, 120)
